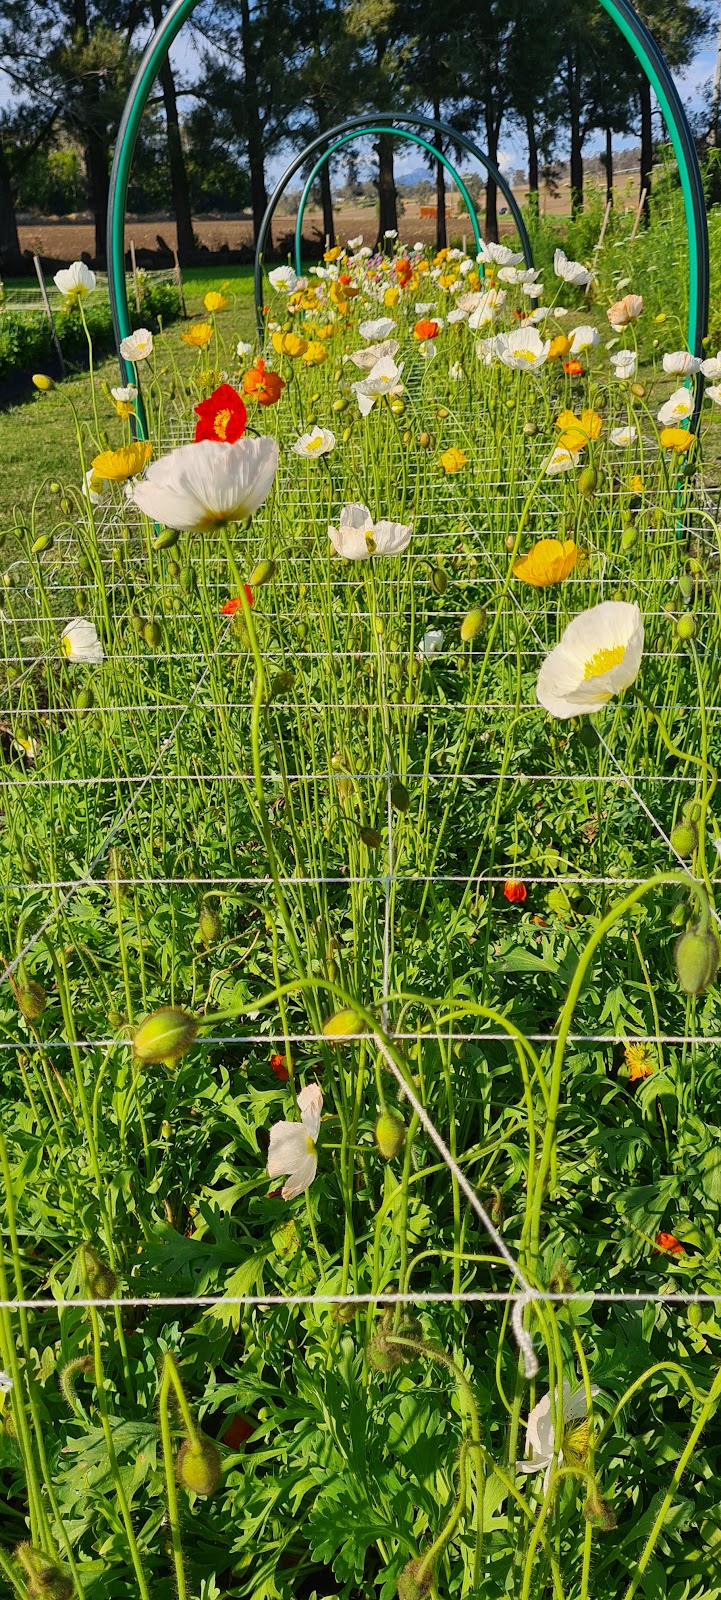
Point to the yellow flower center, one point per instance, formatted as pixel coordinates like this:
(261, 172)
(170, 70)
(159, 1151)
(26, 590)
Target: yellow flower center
(604, 660)
(221, 423)
(575, 1443)
(526, 355)
(66, 647)
(314, 444)
(311, 1146)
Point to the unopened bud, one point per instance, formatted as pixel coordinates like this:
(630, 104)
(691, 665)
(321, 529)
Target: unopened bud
(114, 877)
(84, 699)
(371, 837)
(152, 634)
(199, 1466)
(42, 1574)
(262, 572)
(342, 1025)
(99, 1277)
(167, 538)
(473, 624)
(43, 542)
(597, 1511)
(439, 580)
(415, 1581)
(210, 926)
(188, 580)
(686, 628)
(587, 481)
(390, 1134)
(31, 998)
(165, 1035)
(684, 839)
(400, 797)
(696, 956)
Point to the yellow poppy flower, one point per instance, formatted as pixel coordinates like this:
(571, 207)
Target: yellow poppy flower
(326, 331)
(214, 301)
(314, 355)
(124, 409)
(198, 335)
(289, 344)
(635, 484)
(422, 266)
(560, 347)
(390, 297)
(446, 279)
(440, 256)
(548, 561)
(453, 459)
(578, 431)
(332, 255)
(678, 439)
(118, 465)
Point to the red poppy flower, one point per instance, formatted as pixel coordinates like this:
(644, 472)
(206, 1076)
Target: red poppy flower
(278, 1066)
(237, 1432)
(426, 329)
(231, 606)
(222, 416)
(668, 1243)
(573, 369)
(515, 891)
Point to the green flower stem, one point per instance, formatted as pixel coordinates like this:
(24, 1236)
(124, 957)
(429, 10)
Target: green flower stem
(112, 1457)
(168, 1381)
(705, 1412)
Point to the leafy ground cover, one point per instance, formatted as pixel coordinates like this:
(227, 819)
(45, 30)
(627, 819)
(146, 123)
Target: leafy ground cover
(298, 869)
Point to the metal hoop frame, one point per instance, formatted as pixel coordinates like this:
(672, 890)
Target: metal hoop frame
(634, 31)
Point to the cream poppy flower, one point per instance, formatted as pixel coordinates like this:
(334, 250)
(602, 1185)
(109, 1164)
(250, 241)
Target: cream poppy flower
(532, 290)
(383, 379)
(540, 1431)
(681, 364)
(523, 351)
(623, 436)
(316, 443)
(355, 244)
(598, 656)
(624, 363)
(366, 359)
(137, 346)
(500, 254)
(243, 349)
(377, 328)
(358, 537)
(713, 392)
(292, 1150)
(124, 395)
(456, 315)
(200, 486)
(561, 460)
(283, 279)
(626, 310)
(486, 350)
(470, 302)
(677, 408)
(571, 271)
(584, 338)
(456, 372)
(75, 281)
(80, 642)
(431, 644)
(489, 305)
(711, 367)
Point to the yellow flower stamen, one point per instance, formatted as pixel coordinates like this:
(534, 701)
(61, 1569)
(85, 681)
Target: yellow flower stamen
(604, 660)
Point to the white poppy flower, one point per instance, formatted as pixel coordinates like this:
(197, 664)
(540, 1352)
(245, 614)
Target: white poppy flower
(358, 537)
(499, 253)
(487, 309)
(534, 317)
(316, 443)
(713, 392)
(200, 486)
(522, 351)
(540, 1430)
(465, 266)
(431, 644)
(677, 408)
(96, 490)
(624, 363)
(283, 279)
(125, 395)
(80, 642)
(681, 364)
(518, 274)
(711, 367)
(138, 346)
(355, 244)
(382, 379)
(624, 311)
(623, 436)
(598, 656)
(584, 338)
(422, 306)
(376, 329)
(457, 315)
(292, 1150)
(486, 350)
(456, 372)
(76, 280)
(243, 349)
(6, 1383)
(366, 359)
(419, 246)
(391, 233)
(469, 302)
(532, 290)
(571, 271)
(562, 460)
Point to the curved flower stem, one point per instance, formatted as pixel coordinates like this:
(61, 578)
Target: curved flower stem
(112, 1457)
(170, 1379)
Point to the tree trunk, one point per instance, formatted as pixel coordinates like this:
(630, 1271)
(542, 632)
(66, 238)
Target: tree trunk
(441, 234)
(609, 166)
(176, 159)
(492, 133)
(327, 201)
(387, 196)
(9, 241)
(646, 145)
(532, 155)
(96, 165)
(254, 130)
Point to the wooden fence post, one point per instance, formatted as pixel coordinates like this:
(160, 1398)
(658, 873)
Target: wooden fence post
(49, 314)
(136, 286)
(639, 210)
(179, 281)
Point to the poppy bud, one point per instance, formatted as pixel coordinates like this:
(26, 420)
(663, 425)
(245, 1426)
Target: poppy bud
(639, 389)
(345, 436)
(31, 998)
(400, 797)
(84, 699)
(342, 1025)
(210, 926)
(165, 1035)
(166, 539)
(684, 839)
(199, 1466)
(390, 1134)
(597, 1511)
(114, 876)
(152, 634)
(371, 838)
(473, 624)
(587, 481)
(439, 580)
(343, 1313)
(696, 956)
(397, 407)
(629, 538)
(685, 584)
(188, 580)
(426, 440)
(415, 1581)
(262, 572)
(685, 628)
(43, 542)
(43, 1576)
(530, 429)
(99, 1277)
(340, 404)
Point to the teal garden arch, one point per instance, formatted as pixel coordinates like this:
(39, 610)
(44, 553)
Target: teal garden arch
(634, 31)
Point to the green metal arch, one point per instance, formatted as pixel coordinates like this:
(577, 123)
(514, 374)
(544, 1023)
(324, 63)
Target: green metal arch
(634, 31)
(399, 133)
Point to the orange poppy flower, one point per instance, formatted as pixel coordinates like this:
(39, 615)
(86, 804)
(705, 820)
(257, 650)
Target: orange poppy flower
(265, 387)
(278, 1066)
(573, 369)
(231, 606)
(667, 1243)
(515, 892)
(426, 329)
(222, 416)
(404, 271)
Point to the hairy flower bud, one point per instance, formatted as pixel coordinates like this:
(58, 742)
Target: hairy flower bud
(390, 1134)
(415, 1581)
(686, 628)
(439, 580)
(473, 624)
(152, 634)
(696, 956)
(167, 538)
(199, 1466)
(31, 998)
(343, 1024)
(587, 481)
(262, 572)
(99, 1277)
(164, 1035)
(684, 839)
(210, 926)
(597, 1511)
(43, 1577)
(400, 797)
